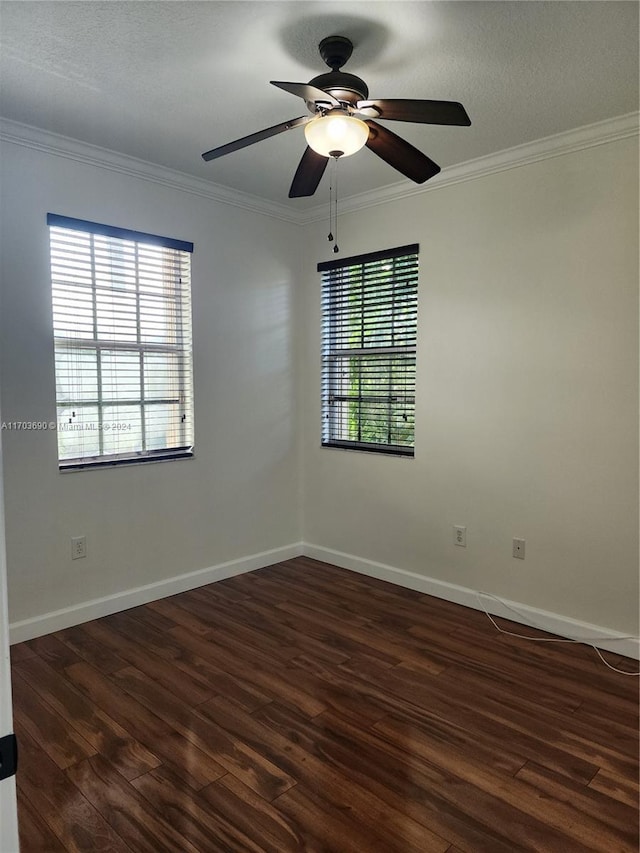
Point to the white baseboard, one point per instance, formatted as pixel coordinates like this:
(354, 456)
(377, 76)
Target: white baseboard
(554, 623)
(46, 623)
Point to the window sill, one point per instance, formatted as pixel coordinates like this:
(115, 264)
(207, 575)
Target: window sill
(94, 464)
(402, 452)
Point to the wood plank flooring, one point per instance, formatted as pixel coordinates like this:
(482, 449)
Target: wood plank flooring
(306, 708)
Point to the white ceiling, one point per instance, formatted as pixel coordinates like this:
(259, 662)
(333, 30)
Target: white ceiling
(165, 81)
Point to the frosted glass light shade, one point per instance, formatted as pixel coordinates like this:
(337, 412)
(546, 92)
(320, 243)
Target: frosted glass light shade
(336, 134)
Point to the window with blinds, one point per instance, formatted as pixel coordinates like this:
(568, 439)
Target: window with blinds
(369, 320)
(123, 352)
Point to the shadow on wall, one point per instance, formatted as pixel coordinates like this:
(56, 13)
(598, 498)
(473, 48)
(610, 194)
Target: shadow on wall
(254, 377)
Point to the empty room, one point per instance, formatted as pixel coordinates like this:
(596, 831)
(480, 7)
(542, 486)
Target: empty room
(319, 390)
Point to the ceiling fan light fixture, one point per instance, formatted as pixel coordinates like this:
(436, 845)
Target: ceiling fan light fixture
(336, 134)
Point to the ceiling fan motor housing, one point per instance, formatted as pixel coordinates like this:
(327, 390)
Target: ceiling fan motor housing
(335, 51)
(343, 86)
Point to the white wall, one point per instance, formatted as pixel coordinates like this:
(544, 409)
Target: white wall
(238, 497)
(527, 409)
(527, 397)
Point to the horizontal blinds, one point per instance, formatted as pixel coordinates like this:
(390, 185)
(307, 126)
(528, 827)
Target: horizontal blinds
(113, 231)
(370, 257)
(122, 327)
(369, 307)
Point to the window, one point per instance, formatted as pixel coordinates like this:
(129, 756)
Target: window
(369, 317)
(122, 330)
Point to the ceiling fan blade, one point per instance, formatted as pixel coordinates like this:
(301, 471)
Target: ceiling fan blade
(306, 92)
(308, 174)
(400, 154)
(255, 137)
(424, 112)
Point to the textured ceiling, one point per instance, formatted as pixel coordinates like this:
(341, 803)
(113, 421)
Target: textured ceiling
(165, 81)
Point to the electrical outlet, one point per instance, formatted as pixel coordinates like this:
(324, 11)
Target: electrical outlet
(460, 536)
(518, 549)
(78, 547)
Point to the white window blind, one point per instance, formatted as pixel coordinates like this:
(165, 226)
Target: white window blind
(123, 349)
(369, 321)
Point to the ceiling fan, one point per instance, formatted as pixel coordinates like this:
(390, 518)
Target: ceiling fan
(342, 120)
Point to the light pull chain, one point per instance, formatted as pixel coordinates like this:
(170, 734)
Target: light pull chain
(336, 248)
(330, 234)
(333, 204)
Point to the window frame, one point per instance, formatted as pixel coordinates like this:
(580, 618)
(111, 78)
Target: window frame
(397, 358)
(179, 351)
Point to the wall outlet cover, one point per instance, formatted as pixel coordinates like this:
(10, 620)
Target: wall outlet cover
(518, 549)
(460, 536)
(78, 547)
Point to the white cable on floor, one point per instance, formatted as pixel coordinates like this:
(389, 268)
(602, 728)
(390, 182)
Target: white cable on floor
(587, 641)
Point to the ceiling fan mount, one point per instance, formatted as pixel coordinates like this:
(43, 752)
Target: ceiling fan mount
(340, 102)
(335, 51)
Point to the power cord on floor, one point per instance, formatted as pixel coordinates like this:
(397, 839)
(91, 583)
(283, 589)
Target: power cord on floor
(587, 641)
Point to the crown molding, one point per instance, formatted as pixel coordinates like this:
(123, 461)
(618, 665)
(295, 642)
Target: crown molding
(28, 136)
(568, 142)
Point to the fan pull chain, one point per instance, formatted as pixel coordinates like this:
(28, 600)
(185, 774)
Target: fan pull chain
(333, 203)
(330, 234)
(336, 248)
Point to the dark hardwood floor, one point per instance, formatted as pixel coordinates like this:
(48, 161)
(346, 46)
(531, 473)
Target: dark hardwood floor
(306, 708)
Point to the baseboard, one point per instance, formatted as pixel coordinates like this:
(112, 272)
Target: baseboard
(46, 623)
(56, 620)
(555, 623)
